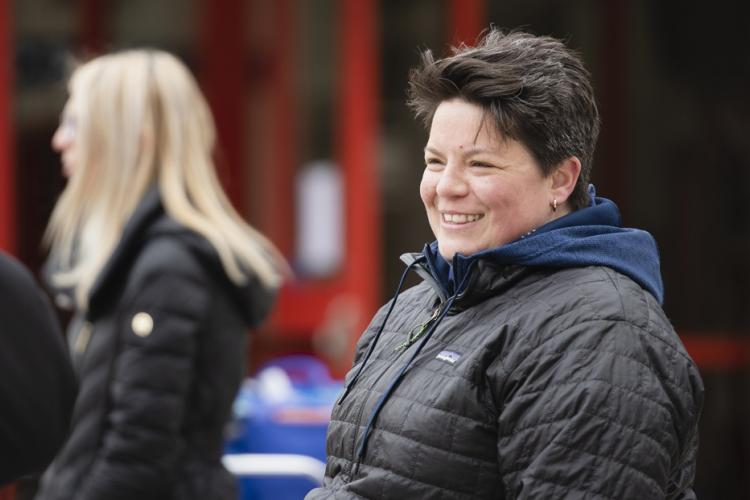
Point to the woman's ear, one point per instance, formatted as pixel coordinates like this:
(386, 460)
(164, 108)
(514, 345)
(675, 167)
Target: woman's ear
(564, 178)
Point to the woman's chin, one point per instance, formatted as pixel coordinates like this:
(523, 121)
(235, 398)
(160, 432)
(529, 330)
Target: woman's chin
(67, 171)
(449, 251)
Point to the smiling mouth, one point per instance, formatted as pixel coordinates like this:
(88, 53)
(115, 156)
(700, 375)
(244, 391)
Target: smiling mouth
(460, 218)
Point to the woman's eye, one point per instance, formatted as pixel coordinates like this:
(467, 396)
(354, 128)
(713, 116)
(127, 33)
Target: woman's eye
(481, 164)
(432, 161)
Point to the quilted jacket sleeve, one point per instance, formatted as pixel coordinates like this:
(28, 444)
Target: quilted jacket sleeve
(601, 410)
(148, 389)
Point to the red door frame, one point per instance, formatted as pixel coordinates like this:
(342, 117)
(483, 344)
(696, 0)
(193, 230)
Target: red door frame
(7, 169)
(304, 305)
(8, 215)
(465, 20)
(357, 132)
(280, 178)
(222, 74)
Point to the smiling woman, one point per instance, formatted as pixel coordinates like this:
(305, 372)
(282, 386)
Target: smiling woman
(534, 360)
(482, 190)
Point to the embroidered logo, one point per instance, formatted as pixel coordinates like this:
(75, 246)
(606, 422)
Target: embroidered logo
(448, 356)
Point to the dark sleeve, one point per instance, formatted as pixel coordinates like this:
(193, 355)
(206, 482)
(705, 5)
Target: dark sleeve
(149, 385)
(589, 415)
(37, 385)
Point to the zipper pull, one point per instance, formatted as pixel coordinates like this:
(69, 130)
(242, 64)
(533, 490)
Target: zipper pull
(417, 331)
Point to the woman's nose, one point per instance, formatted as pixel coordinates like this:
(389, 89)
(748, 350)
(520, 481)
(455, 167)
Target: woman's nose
(58, 140)
(452, 182)
(65, 133)
(63, 137)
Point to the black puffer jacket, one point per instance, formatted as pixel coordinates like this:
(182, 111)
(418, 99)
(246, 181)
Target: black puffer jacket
(538, 383)
(37, 386)
(160, 355)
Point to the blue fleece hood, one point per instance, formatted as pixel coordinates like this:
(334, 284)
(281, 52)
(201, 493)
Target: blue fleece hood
(591, 236)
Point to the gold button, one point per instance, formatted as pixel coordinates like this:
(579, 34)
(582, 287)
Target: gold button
(142, 324)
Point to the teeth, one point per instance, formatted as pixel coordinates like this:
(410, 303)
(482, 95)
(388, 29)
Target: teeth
(460, 218)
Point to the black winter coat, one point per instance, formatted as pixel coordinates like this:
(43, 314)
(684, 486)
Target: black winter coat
(160, 355)
(538, 383)
(37, 385)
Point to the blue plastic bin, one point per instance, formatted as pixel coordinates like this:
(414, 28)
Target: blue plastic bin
(285, 408)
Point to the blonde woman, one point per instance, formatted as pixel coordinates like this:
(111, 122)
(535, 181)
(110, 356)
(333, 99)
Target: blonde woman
(165, 279)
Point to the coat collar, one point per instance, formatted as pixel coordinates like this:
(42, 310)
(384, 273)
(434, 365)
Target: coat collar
(486, 279)
(148, 211)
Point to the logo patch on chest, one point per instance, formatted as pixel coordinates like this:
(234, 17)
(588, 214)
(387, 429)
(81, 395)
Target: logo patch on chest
(448, 356)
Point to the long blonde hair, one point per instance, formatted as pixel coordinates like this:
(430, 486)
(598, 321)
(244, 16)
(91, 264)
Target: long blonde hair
(141, 119)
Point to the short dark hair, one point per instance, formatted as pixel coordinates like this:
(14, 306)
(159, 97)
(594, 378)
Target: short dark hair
(536, 90)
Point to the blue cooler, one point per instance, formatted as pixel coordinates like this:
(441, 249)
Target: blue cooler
(285, 408)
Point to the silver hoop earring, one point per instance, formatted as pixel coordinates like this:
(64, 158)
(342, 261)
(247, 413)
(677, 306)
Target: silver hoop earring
(554, 205)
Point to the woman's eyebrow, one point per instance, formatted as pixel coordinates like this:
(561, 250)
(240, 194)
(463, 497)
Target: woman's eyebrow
(471, 151)
(475, 150)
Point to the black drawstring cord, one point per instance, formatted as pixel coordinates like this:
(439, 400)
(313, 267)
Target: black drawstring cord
(383, 397)
(392, 386)
(375, 339)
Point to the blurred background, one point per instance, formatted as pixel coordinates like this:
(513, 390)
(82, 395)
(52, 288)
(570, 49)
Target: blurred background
(318, 150)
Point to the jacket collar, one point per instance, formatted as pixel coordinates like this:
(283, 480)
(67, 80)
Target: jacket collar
(486, 279)
(148, 211)
(149, 220)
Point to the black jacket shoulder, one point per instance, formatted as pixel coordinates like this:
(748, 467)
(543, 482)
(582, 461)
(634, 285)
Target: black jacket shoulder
(160, 354)
(37, 385)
